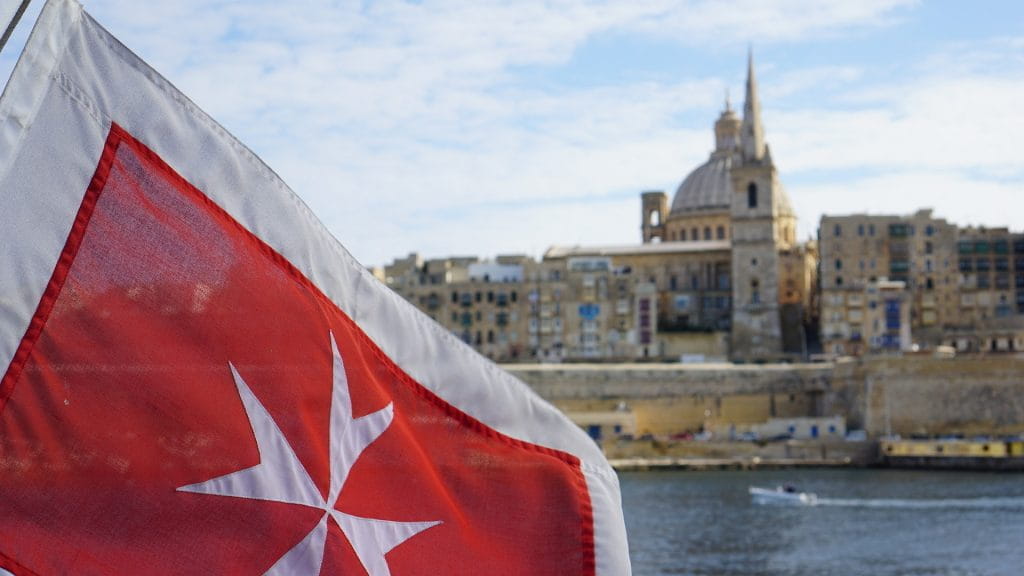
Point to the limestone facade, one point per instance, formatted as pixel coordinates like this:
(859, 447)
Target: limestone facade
(964, 286)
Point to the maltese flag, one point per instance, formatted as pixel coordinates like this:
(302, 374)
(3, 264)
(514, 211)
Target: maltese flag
(198, 379)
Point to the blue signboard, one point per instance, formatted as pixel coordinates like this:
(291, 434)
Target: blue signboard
(892, 314)
(589, 311)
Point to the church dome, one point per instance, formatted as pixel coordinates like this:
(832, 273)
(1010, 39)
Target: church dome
(709, 187)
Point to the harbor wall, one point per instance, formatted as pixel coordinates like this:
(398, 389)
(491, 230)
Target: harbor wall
(907, 395)
(671, 399)
(924, 396)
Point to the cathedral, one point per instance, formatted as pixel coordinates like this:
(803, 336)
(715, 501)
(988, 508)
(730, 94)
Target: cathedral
(718, 274)
(736, 199)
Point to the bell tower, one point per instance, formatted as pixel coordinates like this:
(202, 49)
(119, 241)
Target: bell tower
(654, 209)
(757, 203)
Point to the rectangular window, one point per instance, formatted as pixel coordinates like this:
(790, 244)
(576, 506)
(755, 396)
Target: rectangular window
(838, 230)
(983, 264)
(898, 230)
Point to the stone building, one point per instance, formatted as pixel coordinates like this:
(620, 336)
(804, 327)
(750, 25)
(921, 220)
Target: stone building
(516, 308)
(964, 286)
(991, 300)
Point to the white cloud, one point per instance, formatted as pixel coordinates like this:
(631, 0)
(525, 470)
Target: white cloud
(954, 196)
(407, 126)
(761, 21)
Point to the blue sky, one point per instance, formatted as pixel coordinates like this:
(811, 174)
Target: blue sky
(484, 127)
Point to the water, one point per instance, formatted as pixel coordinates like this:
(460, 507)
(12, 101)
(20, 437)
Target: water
(870, 522)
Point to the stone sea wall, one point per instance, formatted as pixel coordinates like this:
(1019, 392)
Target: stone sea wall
(908, 395)
(919, 395)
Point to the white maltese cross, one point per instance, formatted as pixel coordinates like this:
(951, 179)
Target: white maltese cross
(281, 477)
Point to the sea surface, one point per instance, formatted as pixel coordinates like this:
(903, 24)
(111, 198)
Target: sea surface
(870, 522)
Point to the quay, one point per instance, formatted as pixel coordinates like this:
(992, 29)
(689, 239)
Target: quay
(704, 464)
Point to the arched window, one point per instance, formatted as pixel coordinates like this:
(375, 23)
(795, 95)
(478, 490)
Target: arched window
(752, 195)
(654, 218)
(721, 232)
(707, 232)
(694, 234)
(755, 291)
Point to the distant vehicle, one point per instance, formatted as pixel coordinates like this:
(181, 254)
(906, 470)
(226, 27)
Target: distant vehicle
(856, 436)
(782, 495)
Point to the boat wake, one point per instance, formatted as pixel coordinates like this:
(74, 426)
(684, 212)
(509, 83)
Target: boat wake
(924, 504)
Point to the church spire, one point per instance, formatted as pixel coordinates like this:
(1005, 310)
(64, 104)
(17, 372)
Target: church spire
(752, 135)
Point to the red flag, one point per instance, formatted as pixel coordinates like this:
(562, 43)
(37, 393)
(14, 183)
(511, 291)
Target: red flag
(200, 380)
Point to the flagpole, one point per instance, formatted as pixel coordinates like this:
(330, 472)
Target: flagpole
(13, 24)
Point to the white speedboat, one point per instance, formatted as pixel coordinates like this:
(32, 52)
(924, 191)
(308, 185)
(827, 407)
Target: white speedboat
(782, 495)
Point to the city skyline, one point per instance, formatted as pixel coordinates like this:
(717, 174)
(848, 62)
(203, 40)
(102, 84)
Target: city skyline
(482, 128)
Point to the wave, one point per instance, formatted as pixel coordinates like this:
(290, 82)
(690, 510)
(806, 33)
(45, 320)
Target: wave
(919, 504)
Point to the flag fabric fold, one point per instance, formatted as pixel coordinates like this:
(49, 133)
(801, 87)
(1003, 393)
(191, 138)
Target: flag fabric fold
(198, 378)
